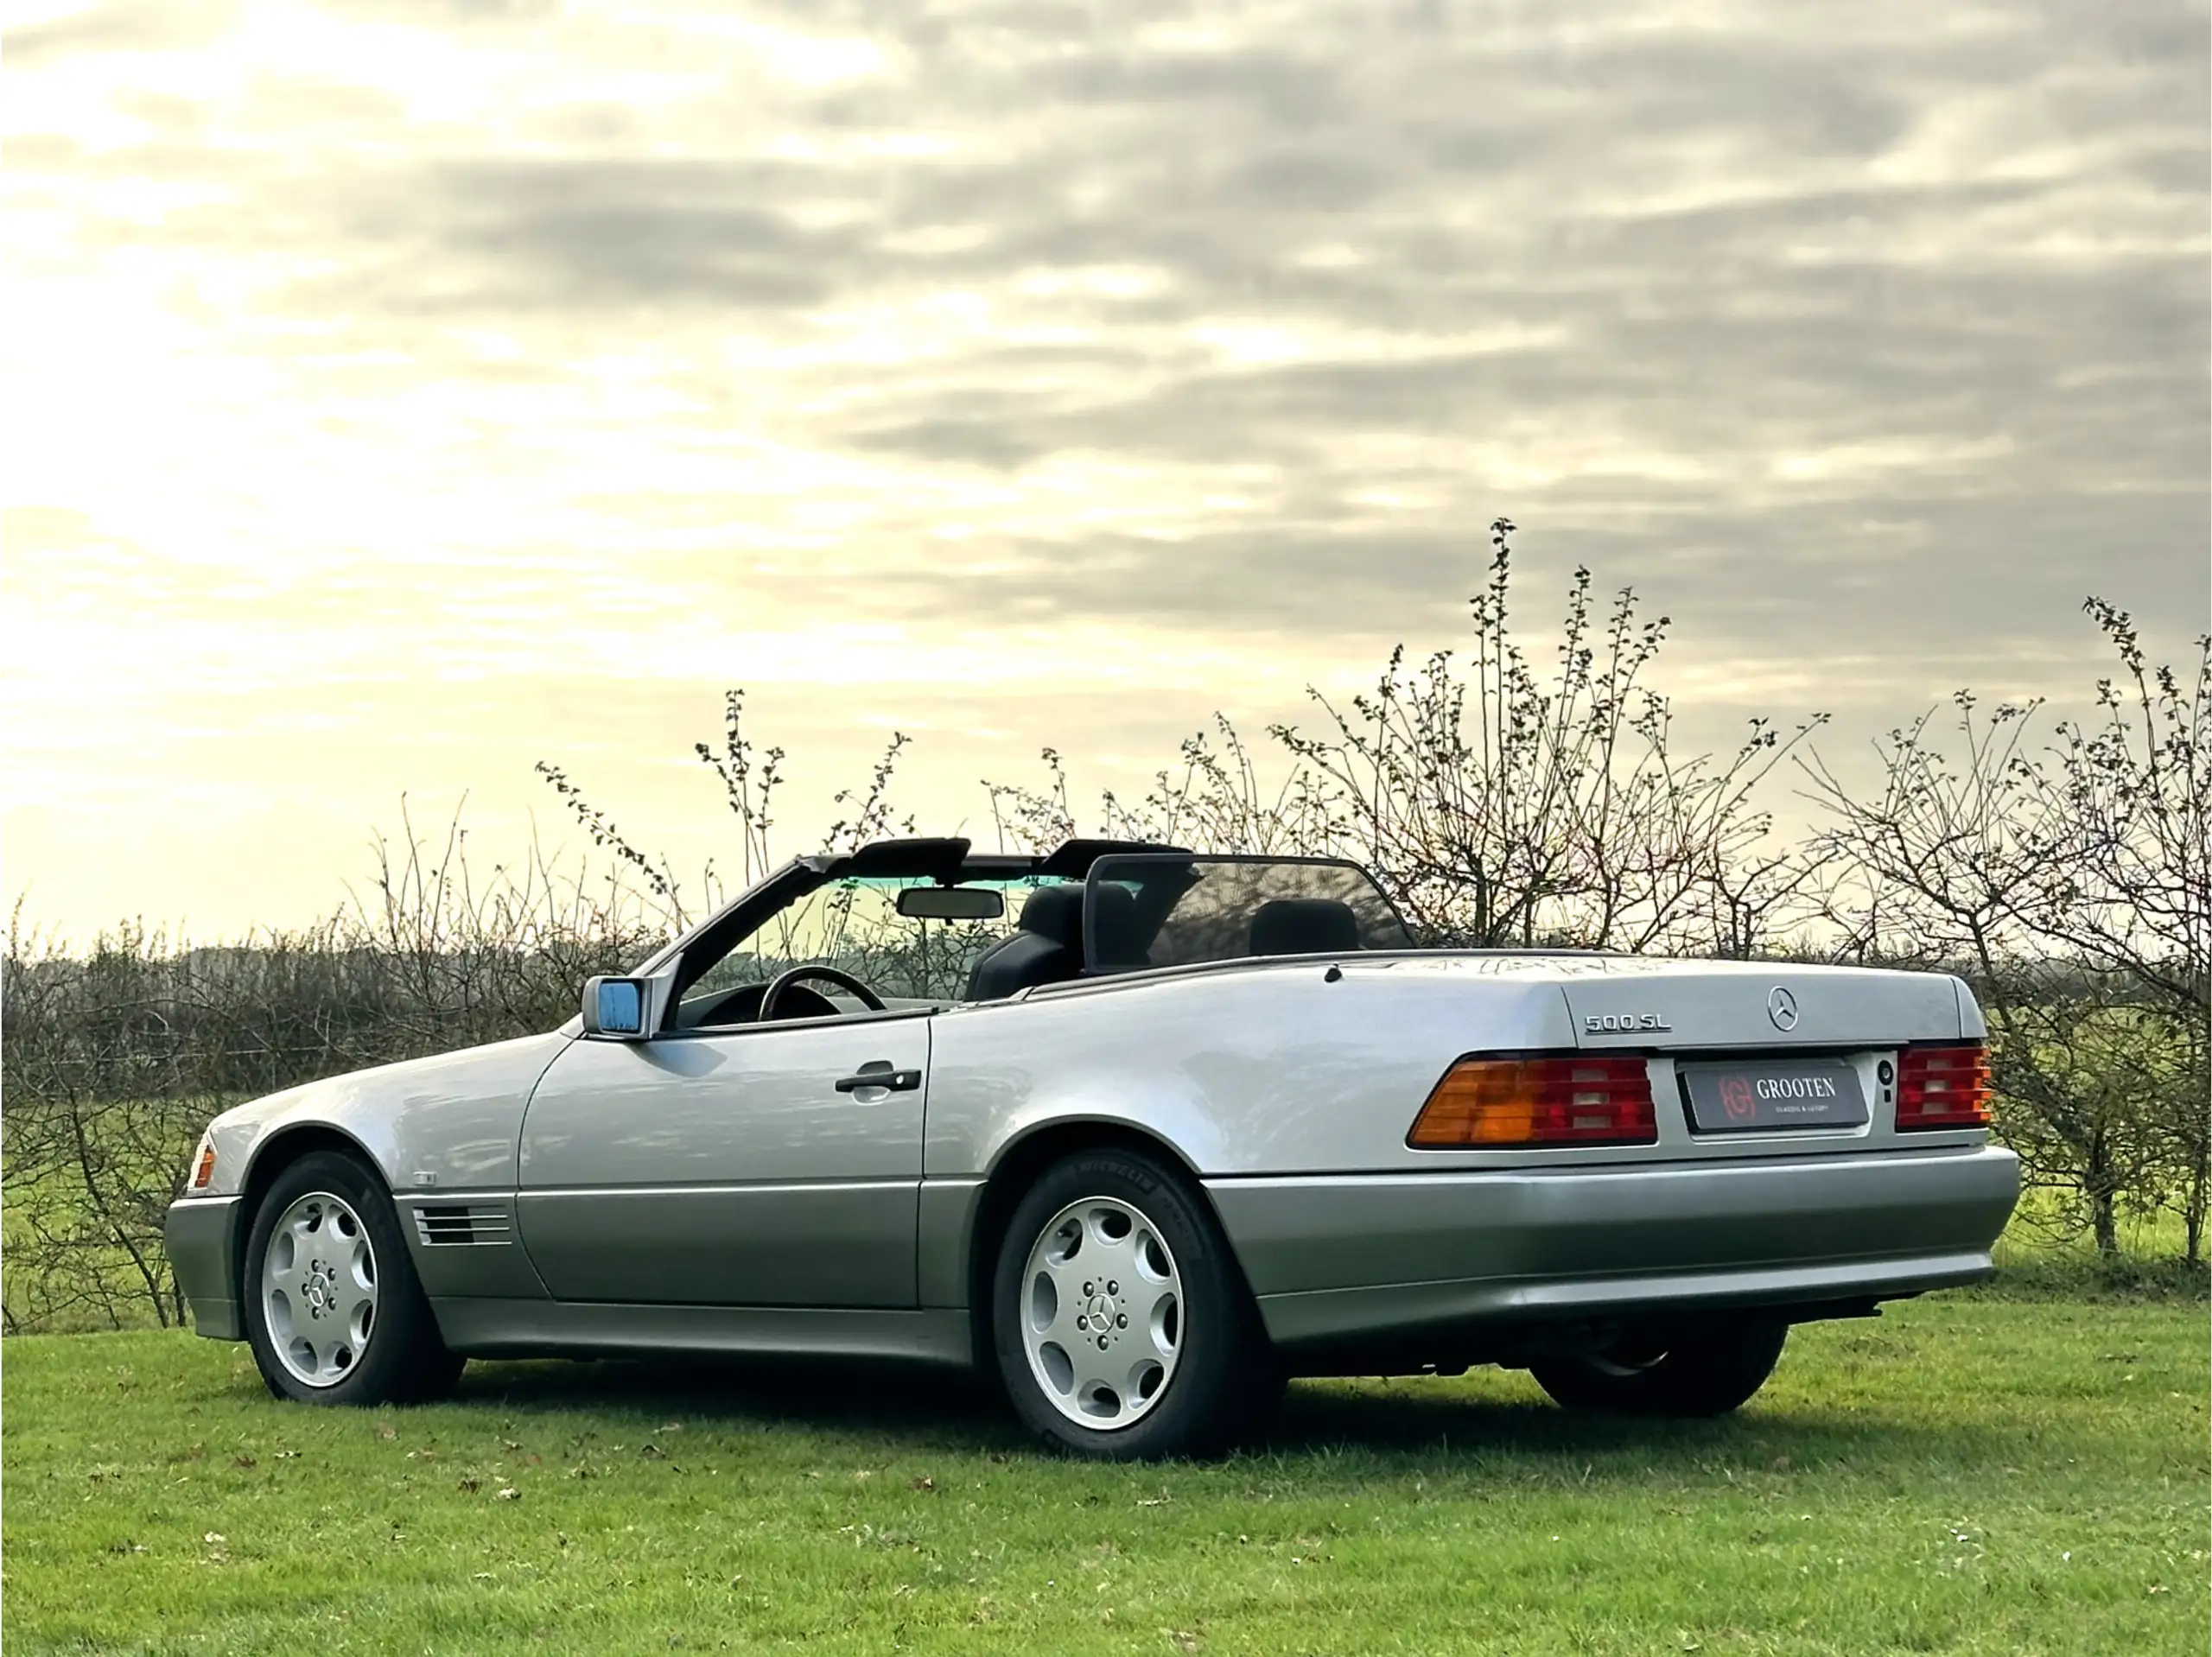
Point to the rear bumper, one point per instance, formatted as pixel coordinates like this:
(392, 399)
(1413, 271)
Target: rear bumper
(1359, 1257)
(200, 1235)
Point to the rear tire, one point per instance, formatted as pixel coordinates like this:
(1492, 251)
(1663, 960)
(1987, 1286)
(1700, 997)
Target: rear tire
(333, 1312)
(1709, 1373)
(1116, 1301)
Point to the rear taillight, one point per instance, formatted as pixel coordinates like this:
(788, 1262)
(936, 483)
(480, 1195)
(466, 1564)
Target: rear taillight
(1498, 1103)
(1943, 1087)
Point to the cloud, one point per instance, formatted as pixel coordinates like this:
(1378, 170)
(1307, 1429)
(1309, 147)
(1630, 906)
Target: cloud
(173, 25)
(1864, 341)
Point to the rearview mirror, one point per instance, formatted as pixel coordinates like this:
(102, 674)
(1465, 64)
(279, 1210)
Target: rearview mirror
(616, 1006)
(951, 904)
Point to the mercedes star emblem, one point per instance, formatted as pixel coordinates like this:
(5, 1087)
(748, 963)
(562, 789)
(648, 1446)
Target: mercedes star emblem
(1781, 1008)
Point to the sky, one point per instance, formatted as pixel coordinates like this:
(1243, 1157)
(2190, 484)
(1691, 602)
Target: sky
(404, 392)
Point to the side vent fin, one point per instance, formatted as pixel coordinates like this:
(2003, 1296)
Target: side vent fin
(455, 1224)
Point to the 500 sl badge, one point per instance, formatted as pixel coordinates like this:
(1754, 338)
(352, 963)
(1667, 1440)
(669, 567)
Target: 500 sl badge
(1607, 1023)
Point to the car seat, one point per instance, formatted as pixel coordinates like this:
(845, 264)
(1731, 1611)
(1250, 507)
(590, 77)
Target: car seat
(1046, 947)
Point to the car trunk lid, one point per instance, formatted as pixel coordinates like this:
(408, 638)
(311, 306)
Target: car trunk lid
(1736, 1007)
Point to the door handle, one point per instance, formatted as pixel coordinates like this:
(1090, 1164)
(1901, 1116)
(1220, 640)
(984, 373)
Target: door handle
(889, 1080)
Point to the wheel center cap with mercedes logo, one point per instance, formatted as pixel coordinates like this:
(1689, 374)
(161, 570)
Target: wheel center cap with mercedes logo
(1782, 1008)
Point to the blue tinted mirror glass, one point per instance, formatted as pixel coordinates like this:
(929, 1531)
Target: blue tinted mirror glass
(622, 1009)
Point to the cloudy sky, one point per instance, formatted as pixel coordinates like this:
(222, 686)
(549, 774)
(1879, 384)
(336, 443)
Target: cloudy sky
(402, 392)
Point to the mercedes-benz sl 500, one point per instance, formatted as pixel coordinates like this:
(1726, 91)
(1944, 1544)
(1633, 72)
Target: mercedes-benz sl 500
(1140, 1132)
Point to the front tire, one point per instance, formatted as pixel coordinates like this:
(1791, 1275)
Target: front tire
(1708, 1373)
(1121, 1326)
(333, 1312)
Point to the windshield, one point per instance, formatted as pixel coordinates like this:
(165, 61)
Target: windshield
(855, 925)
(1152, 911)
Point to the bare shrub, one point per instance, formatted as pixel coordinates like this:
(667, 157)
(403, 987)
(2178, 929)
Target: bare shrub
(116, 1058)
(2068, 879)
(1498, 805)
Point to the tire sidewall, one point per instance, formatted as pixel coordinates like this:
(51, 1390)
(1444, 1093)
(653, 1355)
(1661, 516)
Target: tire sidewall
(1707, 1376)
(388, 1369)
(1714, 1376)
(1222, 1356)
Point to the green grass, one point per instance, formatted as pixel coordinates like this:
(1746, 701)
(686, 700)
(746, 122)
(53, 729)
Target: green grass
(2046, 1250)
(1962, 1476)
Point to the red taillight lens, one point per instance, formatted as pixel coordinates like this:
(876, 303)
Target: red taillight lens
(1943, 1087)
(1502, 1103)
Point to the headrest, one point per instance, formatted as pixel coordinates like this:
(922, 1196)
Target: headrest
(1304, 926)
(1116, 929)
(1055, 913)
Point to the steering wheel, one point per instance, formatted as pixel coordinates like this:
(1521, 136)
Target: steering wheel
(783, 981)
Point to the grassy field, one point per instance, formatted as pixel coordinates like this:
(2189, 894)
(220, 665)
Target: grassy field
(2041, 1254)
(1965, 1474)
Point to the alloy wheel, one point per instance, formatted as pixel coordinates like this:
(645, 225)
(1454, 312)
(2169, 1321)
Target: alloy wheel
(319, 1289)
(1101, 1313)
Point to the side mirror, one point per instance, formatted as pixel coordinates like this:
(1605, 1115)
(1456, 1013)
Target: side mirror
(951, 904)
(616, 1006)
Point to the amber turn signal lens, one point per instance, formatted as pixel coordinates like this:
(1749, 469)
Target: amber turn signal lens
(1943, 1087)
(1498, 1103)
(204, 1169)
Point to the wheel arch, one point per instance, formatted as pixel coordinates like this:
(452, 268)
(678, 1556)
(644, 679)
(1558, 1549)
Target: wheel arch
(275, 1153)
(1015, 1168)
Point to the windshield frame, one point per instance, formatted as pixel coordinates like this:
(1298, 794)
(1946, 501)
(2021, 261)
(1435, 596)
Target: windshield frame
(949, 862)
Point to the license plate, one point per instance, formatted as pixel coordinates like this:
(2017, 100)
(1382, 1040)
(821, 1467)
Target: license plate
(1730, 1097)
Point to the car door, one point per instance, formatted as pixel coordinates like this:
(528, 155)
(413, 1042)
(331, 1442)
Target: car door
(754, 1167)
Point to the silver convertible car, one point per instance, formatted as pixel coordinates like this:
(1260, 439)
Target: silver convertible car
(1190, 1125)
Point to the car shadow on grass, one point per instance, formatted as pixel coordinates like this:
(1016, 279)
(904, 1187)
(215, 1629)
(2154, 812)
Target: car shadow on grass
(894, 1410)
(1422, 1419)
(940, 1408)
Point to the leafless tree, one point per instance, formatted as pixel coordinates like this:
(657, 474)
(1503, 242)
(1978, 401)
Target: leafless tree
(2128, 888)
(1499, 805)
(2069, 879)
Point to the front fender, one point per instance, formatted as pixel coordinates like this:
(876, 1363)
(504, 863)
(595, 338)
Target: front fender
(451, 1122)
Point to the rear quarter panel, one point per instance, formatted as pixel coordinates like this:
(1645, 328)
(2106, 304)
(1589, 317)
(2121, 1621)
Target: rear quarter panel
(1290, 1094)
(1285, 1069)
(1278, 1071)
